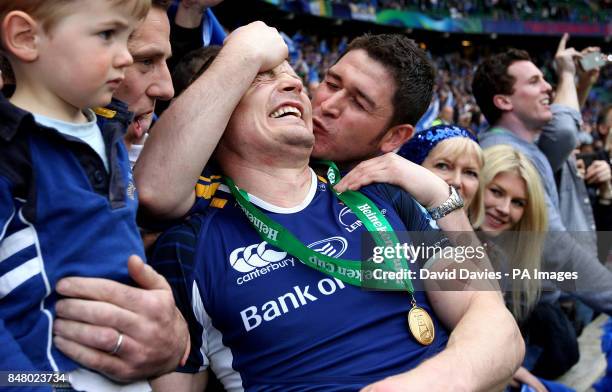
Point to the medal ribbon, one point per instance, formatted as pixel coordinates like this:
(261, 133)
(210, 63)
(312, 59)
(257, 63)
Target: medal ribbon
(348, 271)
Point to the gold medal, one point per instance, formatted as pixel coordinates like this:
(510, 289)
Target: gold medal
(421, 325)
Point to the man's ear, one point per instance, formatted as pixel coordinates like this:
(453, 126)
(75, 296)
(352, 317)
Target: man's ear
(395, 137)
(20, 35)
(502, 102)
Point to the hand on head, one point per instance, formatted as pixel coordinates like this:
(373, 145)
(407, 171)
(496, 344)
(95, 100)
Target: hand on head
(258, 42)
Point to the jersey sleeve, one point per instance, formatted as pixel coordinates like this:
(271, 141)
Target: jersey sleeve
(205, 189)
(173, 256)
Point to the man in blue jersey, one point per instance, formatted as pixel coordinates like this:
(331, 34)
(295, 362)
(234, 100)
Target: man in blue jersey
(207, 106)
(262, 320)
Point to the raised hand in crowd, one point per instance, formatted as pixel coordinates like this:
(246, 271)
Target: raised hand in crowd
(565, 62)
(189, 12)
(127, 333)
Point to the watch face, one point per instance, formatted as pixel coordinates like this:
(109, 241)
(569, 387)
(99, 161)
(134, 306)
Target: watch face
(457, 197)
(453, 203)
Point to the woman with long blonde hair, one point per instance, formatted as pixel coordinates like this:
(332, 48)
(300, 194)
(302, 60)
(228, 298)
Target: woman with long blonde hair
(503, 194)
(514, 204)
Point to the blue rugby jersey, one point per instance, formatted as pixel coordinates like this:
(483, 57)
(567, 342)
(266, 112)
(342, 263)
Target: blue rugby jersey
(61, 214)
(261, 320)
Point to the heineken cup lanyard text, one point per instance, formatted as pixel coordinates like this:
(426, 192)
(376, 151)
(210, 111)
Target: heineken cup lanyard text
(348, 271)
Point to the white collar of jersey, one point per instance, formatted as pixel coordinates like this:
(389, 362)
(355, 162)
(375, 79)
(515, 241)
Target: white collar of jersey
(282, 210)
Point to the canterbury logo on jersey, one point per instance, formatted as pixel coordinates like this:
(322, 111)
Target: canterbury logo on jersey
(255, 256)
(249, 258)
(259, 259)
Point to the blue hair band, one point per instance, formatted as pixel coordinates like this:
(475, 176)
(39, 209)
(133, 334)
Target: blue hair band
(420, 145)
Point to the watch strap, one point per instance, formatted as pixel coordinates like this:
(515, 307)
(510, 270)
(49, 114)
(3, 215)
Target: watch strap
(451, 204)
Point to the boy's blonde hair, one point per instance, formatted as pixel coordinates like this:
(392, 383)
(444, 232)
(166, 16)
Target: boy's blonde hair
(527, 241)
(50, 12)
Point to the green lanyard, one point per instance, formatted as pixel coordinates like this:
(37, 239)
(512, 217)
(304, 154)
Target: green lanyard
(348, 271)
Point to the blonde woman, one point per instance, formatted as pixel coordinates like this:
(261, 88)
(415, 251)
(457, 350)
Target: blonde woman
(514, 203)
(453, 154)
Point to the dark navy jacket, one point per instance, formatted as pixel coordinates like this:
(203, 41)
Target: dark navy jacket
(61, 214)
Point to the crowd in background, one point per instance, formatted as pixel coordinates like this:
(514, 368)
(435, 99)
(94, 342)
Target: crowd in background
(568, 10)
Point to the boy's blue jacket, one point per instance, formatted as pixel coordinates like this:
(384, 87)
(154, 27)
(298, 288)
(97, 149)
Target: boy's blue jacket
(61, 214)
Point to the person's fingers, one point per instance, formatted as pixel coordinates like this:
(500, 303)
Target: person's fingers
(101, 338)
(380, 169)
(349, 179)
(597, 178)
(187, 346)
(347, 183)
(94, 359)
(533, 382)
(361, 182)
(103, 290)
(591, 175)
(145, 276)
(98, 313)
(574, 53)
(563, 42)
(591, 49)
(365, 175)
(598, 171)
(341, 186)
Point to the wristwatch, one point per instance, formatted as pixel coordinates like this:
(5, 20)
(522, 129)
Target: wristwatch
(453, 202)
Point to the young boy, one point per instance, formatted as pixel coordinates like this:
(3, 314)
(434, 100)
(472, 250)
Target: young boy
(67, 199)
